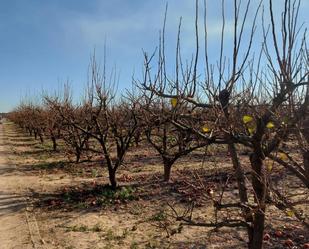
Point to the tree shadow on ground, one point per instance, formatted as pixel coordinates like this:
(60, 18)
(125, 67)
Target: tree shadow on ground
(87, 197)
(20, 144)
(21, 139)
(214, 243)
(11, 203)
(37, 152)
(32, 169)
(92, 195)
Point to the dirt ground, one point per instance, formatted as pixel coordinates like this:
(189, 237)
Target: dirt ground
(15, 228)
(48, 202)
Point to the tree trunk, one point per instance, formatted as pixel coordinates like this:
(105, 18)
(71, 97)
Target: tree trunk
(41, 138)
(224, 97)
(239, 172)
(77, 154)
(167, 172)
(168, 163)
(242, 189)
(53, 138)
(258, 229)
(137, 137)
(112, 178)
(259, 187)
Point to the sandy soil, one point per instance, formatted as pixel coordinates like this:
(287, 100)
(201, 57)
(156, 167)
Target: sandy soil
(14, 229)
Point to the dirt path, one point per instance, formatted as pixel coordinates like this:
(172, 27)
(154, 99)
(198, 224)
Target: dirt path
(15, 228)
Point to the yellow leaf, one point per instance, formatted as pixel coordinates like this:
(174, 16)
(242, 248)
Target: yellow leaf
(290, 213)
(205, 129)
(270, 125)
(246, 119)
(174, 102)
(283, 156)
(251, 130)
(269, 166)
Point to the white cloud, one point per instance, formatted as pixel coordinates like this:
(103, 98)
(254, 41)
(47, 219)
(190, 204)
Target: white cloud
(142, 23)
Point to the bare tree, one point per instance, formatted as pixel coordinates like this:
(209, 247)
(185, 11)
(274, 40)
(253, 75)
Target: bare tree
(241, 86)
(110, 122)
(169, 140)
(63, 115)
(52, 124)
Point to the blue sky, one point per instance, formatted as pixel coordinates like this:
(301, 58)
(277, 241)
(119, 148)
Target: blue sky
(45, 43)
